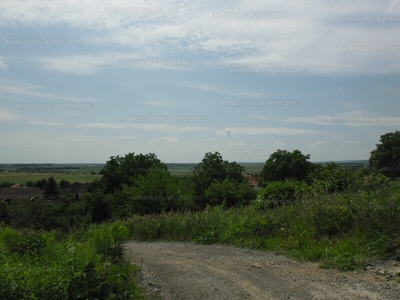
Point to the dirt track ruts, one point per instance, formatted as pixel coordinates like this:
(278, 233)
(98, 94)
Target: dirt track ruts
(188, 271)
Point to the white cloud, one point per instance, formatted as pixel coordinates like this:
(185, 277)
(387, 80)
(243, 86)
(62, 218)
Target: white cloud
(309, 36)
(317, 120)
(2, 64)
(349, 143)
(6, 115)
(264, 131)
(220, 89)
(158, 103)
(226, 131)
(31, 90)
(106, 125)
(260, 117)
(145, 126)
(319, 144)
(76, 64)
(125, 137)
(45, 123)
(360, 118)
(169, 140)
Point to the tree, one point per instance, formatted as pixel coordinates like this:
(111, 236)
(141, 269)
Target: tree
(213, 169)
(386, 157)
(230, 193)
(125, 170)
(30, 183)
(95, 185)
(98, 206)
(50, 190)
(64, 183)
(41, 184)
(283, 165)
(157, 192)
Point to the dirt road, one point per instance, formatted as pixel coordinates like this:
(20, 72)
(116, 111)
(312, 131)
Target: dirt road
(187, 271)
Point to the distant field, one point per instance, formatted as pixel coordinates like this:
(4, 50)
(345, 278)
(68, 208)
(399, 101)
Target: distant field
(80, 173)
(83, 173)
(24, 177)
(252, 167)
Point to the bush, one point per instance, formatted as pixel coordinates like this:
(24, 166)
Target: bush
(282, 193)
(108, 239)
(5, 184)
(64, 183)
(23, 242)
(230, 193)
(333, 178)
(332, 218)
(30, 183)
(72, 268)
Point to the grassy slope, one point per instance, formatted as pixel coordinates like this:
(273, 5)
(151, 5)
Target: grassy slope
(344, 231)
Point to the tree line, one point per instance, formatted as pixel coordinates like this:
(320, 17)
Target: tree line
(140, 184)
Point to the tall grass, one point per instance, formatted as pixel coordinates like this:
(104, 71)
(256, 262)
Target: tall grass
(344, 231)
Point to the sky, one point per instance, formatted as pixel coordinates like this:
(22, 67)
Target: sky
(81, 81)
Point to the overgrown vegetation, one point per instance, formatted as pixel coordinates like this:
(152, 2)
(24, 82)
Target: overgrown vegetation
(84, 265)
(344, 230)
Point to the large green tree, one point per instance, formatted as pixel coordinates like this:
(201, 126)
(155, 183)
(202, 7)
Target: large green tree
(213, 169)
(126, 170)
(283, 165)
(157, 192)
(386, 157)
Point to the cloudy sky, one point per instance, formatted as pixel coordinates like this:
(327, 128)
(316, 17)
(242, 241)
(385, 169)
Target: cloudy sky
(81, 81)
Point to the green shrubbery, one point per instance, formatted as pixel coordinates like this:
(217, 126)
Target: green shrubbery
(277, 193)
(344, 230)
(85, 265)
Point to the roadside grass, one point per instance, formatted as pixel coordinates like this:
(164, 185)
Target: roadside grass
(343, 231)
(87, 264)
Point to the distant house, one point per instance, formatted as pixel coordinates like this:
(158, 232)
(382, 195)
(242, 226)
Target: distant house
(17, 185)
(15, 193)
(252, 180)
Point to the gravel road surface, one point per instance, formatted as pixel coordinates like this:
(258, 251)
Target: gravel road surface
(188, 271)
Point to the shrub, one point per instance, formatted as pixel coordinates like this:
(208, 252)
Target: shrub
(5, 184)
(108, 239)
(64, 183)
(72, 268)
(282, 193)
(24, 242)
(333, 178)
(230, 193)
